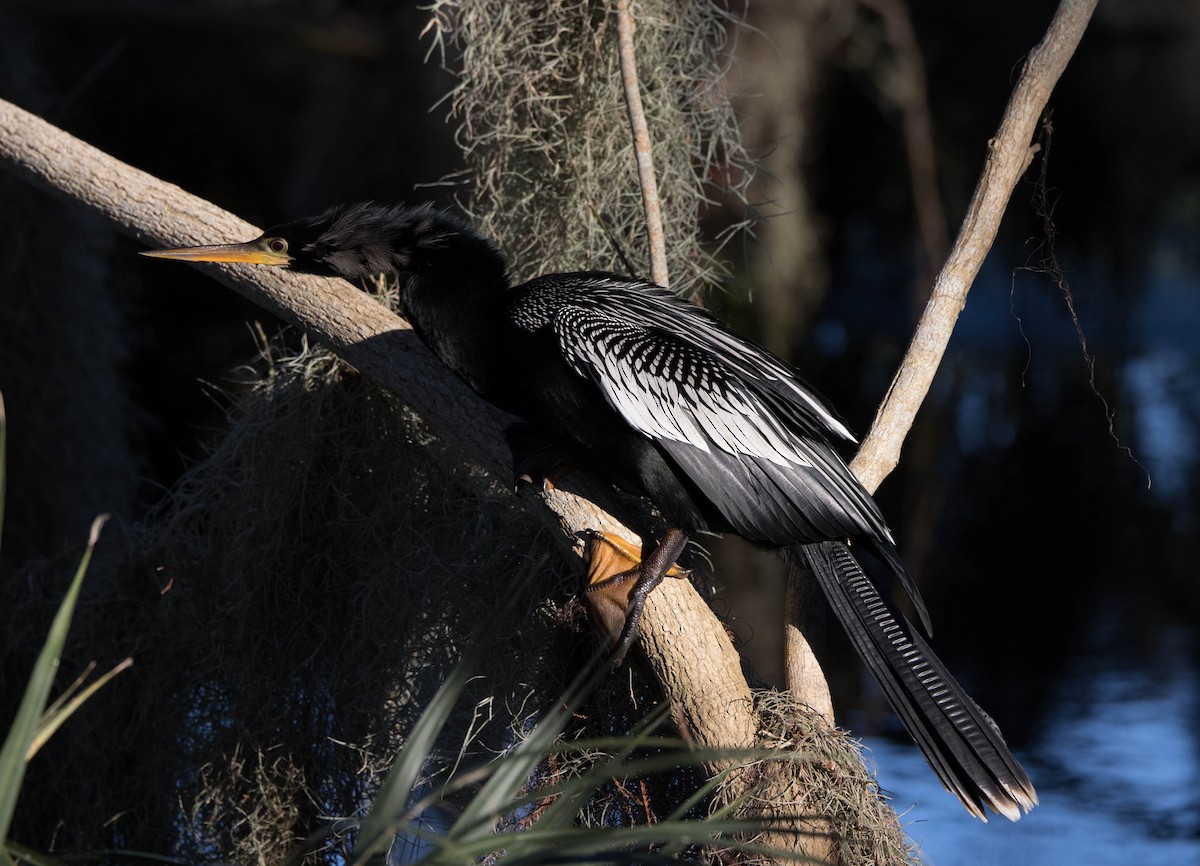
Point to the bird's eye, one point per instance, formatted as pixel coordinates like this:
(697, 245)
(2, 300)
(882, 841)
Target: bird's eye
(277, 245)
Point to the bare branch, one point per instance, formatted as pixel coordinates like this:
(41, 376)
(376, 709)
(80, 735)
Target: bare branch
(641, 144)
(1009, 154)
(679, 632)
(1008, 157)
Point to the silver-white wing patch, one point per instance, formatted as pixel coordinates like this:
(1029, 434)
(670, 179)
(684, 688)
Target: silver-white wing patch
(668, 388)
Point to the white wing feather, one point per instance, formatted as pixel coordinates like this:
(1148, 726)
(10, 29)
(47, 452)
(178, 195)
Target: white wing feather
(669, 388)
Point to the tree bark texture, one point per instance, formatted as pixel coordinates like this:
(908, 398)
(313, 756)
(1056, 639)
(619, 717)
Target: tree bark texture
(1009, 154)
(683, 641)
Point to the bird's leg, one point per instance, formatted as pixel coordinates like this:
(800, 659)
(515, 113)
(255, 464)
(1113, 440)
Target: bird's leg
(619, 581)
(537, 458)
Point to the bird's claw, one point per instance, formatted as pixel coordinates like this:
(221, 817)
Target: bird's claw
(619, 581)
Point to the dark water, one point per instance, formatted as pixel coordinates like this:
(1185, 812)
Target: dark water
(1117, 767)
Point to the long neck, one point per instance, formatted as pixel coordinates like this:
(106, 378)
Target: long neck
(453, 292)
(452, 278)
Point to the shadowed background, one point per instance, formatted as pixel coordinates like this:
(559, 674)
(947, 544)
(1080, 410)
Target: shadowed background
(1060, 580)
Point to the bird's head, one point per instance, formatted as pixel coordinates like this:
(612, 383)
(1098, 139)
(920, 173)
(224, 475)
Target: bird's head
(356, 241)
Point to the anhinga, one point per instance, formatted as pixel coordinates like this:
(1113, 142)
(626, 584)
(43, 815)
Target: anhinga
(657, 396)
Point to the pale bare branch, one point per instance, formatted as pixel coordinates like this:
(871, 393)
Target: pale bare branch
(641, 144)
(1009, 154)
(679, 631)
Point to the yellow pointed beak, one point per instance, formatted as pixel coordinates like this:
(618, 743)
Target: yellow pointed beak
(252, 252)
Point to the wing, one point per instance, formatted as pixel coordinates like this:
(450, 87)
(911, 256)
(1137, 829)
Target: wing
(574, 304)
(737, 421)
(734, 418)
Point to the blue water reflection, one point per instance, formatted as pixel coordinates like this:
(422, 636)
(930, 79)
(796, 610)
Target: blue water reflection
(1117, 769)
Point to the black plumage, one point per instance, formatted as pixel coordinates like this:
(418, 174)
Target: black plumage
(662, 399)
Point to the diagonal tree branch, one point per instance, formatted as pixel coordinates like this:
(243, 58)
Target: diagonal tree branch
(685, 644)
(641, 144)
(680, 634)
(1009, 154)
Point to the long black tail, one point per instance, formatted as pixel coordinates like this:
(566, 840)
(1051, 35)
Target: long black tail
(960, 741)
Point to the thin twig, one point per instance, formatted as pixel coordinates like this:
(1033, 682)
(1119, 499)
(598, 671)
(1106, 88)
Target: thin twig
(680, 633)
(641, 144)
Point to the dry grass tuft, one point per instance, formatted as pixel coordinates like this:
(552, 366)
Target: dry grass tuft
(820, 772)
(291, 607)
(545, 134)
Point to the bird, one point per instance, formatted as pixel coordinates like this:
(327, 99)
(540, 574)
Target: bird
(657, 396)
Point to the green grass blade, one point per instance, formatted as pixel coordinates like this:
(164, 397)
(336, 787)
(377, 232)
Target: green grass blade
(53, 718)
(391, 804)
(65, 695)
(565, 807)
(394, 809)
(495, 798)
(575, 844)
(28, 855)
(29, 713)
